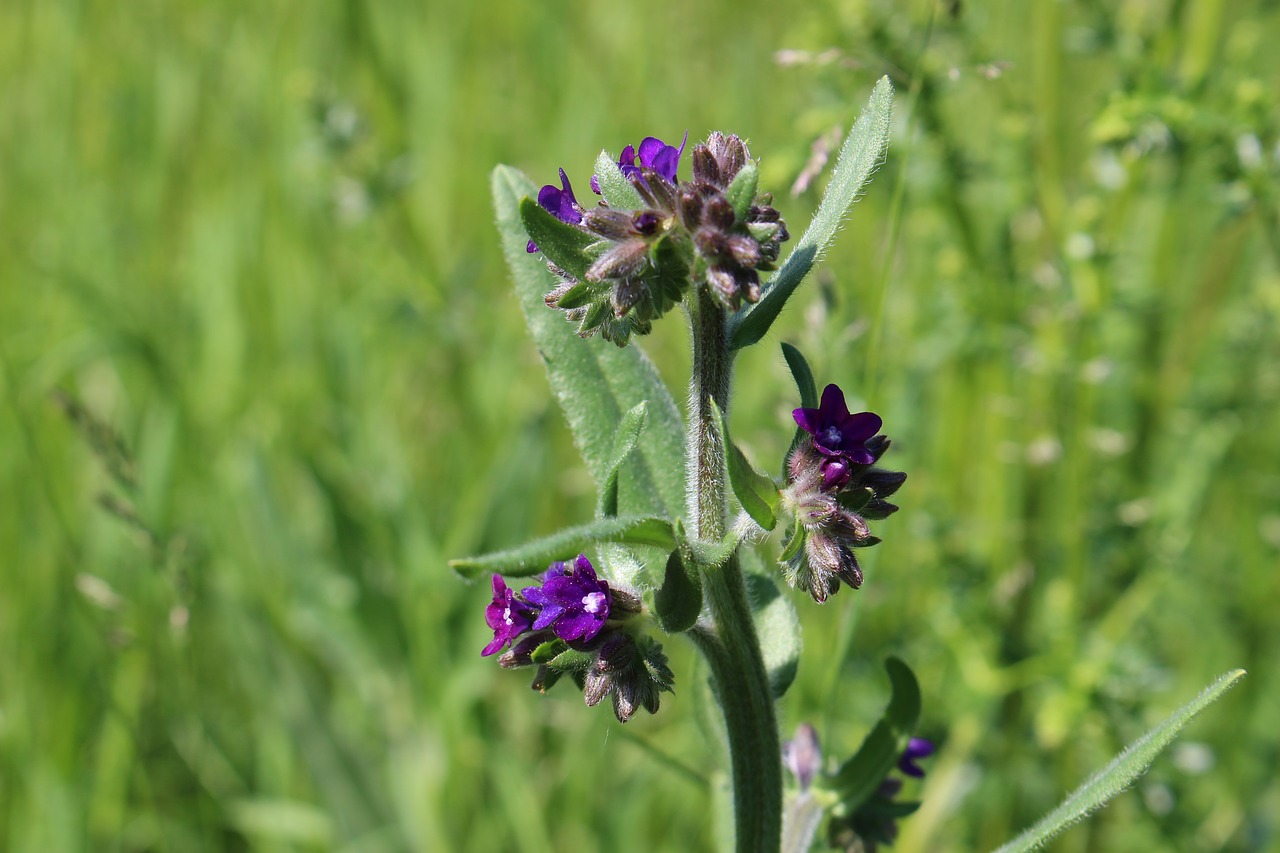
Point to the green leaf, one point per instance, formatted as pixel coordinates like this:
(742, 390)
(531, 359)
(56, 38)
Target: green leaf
(571, 660)
(756, 491)
(564, 244)
(859, 156)
(534, 557)
(808, 393)
(742, 190)
(582, 293)
(803, 375)
(794, 542)
(777, 624)
(624, 441)
(1121, 772)
(594, 381)
(548, 651)
(858, 778)
(679, 600)
(614, 186)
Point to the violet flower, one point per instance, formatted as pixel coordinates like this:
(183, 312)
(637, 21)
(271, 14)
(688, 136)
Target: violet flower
(836, 433)
(561, 203)
(574, 602)
(654, 154)
(508, 615)
(917, 748)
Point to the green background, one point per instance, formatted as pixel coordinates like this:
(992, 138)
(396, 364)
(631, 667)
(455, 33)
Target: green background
(248, 248)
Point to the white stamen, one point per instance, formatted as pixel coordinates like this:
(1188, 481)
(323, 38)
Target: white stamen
(591, 601)
(506, 616)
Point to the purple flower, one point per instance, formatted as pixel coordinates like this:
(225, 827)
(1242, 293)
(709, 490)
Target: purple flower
(803, 755)
(574, 602)
(654, 154)
(917, 748)
(836, 433)
(508, 615)
(560, 203)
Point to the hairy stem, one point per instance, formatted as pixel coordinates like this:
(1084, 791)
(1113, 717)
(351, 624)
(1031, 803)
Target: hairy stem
(732, 649)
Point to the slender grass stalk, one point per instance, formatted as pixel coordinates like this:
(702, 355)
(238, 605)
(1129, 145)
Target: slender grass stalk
(732, 648)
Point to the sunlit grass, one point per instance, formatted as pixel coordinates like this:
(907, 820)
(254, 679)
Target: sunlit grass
(256, 243)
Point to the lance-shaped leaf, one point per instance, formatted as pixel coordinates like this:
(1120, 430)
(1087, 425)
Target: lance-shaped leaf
(756, 491)
(534, 557)
(805, 385)
(1120, 773)
(616, 188)
(858, 778)
(859, 156)
(564, 244)
(679, 600)
(803, 376)
(777, 624)
(594, 381)
(624, 441)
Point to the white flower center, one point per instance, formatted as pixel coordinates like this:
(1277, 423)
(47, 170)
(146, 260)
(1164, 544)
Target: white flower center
(591, 602)
(506, 616)
(831, 435)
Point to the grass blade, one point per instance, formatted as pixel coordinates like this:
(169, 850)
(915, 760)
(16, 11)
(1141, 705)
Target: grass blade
(1120, 773)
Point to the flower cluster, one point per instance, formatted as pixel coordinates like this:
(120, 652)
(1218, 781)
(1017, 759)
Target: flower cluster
(573, 623)
(651, 244)
(833, 488)
(875, 821)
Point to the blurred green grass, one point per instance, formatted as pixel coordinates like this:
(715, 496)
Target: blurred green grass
(255, 240)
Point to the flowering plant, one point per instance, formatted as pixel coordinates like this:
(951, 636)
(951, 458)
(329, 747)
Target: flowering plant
(682, 549)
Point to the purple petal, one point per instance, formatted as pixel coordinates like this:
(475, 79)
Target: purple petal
(858, 428)
(832, 406)
(917, 748)
(549, 614)
(560, 201)
(808, 420)
(650, 148)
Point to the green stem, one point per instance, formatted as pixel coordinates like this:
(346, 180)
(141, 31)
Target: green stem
(732, 649)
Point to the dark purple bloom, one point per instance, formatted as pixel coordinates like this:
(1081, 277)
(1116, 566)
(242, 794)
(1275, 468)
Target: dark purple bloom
(574, 602)
(836, 433)
(508, 615)
(560, 203)
(654, 154)
(917, 748)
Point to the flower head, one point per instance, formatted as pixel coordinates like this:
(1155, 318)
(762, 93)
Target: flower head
(508, 615)
(832, 489)
(560, 202)
(837, 433)
(681, 233)
(574, 602)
